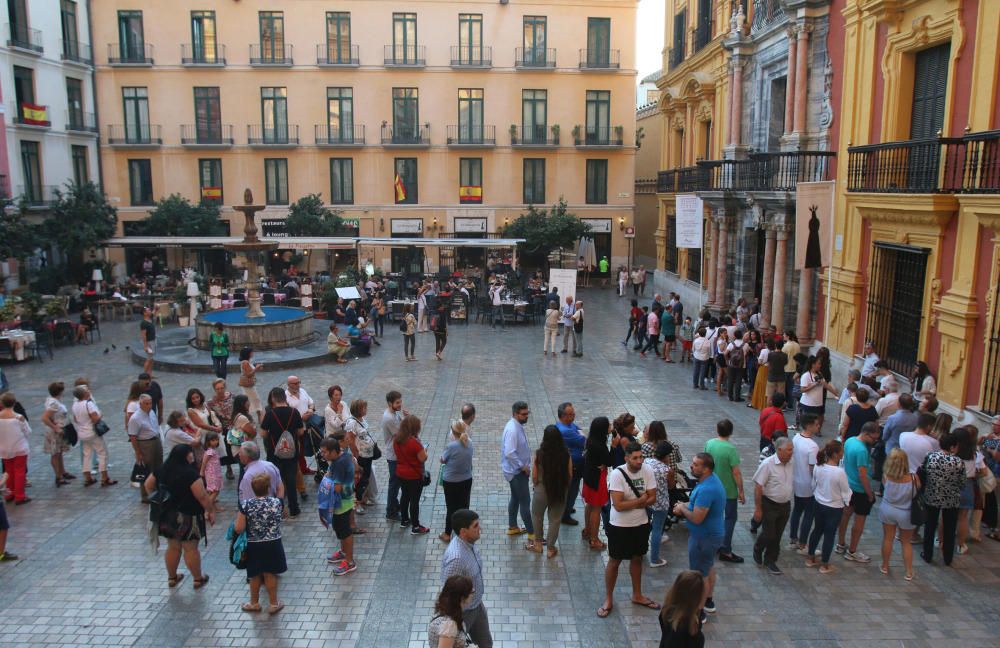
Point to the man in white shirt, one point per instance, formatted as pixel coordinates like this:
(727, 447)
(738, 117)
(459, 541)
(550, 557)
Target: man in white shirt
(919, 443)
(496, 300)
(773, 489)
(568, 309)
(869, 358)
(888, 404)
(804, 450)
(300, 400)
(701, 351)
(391, 418)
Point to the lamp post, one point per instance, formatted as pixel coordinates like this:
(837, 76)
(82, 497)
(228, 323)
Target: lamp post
(193, 292)
(97, 277)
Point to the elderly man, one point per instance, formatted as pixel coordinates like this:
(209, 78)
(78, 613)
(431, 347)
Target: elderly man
(144, 435)
(869, 358)
(773, 488)
(253, 465)
(888, 404)
(567, 323)
(575, 442)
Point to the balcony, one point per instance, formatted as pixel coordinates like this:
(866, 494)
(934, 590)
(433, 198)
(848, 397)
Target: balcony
(286, 137)
(675, 55)
(24, 39)
(598, 136)
(471, 56)
(600, 59)
(339, 136)
(135, 135)
(405, 56)
(207, 136)
(777, 172)
(201, 56)
(534, 58)
(140, 55)
(76, 52)
(81, 122)
(765, 14)
(537, 136)
(31, 115)
(408, 136)
(37, 196)
(330, 55)
(271, 56)
(471, 135)
(702, 34)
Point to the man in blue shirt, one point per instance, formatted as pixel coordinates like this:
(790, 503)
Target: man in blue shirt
(705, 515)
(515, 463)
(575, 442)
(857, 465)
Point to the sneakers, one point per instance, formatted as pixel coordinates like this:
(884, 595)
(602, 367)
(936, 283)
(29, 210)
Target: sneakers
(658, 563)
(335, 558)
(709, 605)
(360, 510)
(758, 556)
(516, 531)
(7, 557)
(421, 530)
(730, 558)
(840, 549)
(857, 556)
(344, 568)
(773, 569)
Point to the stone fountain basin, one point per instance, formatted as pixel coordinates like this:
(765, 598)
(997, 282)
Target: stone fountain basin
(280, 328)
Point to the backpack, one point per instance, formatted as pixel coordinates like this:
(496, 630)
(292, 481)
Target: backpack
(578, 323)
(737, 357)
(284, 448)
(163, 511)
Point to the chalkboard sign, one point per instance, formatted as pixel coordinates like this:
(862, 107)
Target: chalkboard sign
(458, 310)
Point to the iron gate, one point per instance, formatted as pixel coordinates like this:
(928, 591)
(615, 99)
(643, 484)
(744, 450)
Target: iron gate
(896, 304)
(991, 384)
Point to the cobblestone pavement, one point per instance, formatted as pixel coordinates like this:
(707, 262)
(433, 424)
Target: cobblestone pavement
(87, 577)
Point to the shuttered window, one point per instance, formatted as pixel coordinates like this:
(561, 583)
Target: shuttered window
(930, 85)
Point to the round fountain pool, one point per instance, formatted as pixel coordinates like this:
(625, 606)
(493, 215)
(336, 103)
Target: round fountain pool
(280, 328)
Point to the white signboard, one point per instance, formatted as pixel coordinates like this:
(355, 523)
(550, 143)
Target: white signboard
(350, 292)
(565, 281)
(598, 225)
(690, 221)
(407, 225)
(476, 225)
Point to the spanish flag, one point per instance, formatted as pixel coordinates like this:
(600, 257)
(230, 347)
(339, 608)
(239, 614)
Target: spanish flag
(470, 194)
(35, 115)
(211, 193)
(400, 189)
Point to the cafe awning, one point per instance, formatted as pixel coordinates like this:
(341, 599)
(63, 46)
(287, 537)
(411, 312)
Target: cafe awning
(210, 242)
(439, 242)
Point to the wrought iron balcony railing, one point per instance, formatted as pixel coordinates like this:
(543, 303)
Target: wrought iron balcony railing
(197, 54)
(271, 55)
(534, 136)
(600, 59)
(779, 172)
(471, 135)
(36, 195)
(81, 122)
(598, 135)
(134, 135)
(325, 135)
(471, 56)
(405, 55)
(77, 52)
(287, 135)
(207, 135)
(130, 54)
(534, 57)
(24, 38)
(408, 135)
(333, 55)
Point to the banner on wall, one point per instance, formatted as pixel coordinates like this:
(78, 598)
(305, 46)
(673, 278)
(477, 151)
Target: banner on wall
(565, 280)
(690, 221)
(813, 224)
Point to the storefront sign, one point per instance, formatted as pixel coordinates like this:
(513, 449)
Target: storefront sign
(407, 225)
(690, 221)
(598, 225)
(471, 225)
(273, 228)
(629, 232)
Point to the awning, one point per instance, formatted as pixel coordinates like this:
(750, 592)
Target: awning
(203, 242)
(439, 242)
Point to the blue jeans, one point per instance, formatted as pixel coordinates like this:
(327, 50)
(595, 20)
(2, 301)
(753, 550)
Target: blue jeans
(498, 315)
(520, 498)
(656, 534)
(731, 517)
(827, 520)
(392, 502)
(700, 372)
(573, 491)
(803, 511)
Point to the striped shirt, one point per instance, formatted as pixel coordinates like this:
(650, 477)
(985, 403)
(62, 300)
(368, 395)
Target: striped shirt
(462, 559)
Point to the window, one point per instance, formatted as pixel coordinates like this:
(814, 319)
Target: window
(598, 129)
(338, 37)
(470, 189)
(31, 168)
(203, 40)
(534, 181)
(703, 31)
(470, 39)
(405, 115)
(20, 33)
(276, 180)
(534, 40)
(140, 182)
(210, 179)
(272, 36)
(670, 262)
(597, 182)
(131, 41)
(136, 110)
(677, 52)
(24, 87)
(81, 167)
(340, 114)
(70, 38)
(534, 109)
(896, 304)
(405, 182)
(341, 181)
(598, 42)
(470, 115)
(404, 38)
(74, 103)
(694, 265)
(274, 114)
(207, 115)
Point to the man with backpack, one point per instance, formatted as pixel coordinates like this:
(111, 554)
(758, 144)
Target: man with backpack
(281, 427)
(578, 329)
(736, 359)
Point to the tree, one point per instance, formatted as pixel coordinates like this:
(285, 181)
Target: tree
(82, 219)
(18, 238)
(175, 215)
(546, 229)
(308, 217)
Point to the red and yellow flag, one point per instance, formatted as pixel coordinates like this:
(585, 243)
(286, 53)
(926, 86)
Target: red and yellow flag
(400, 189)
(35, 115)
(211, 193)
(470, 194)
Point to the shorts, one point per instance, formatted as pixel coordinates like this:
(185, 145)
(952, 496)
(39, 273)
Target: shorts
(818, 410)
(625, 543)
(597, 496)
(686, 344)
(342, 525)
(967, 499)
(152, 348)
(702, 551)
(669, 338)
(860, 504)
(4, 524)
(888, 514)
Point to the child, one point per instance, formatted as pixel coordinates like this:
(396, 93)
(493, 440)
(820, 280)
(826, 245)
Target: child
(211, 468)
(336, 503)
(687, 340)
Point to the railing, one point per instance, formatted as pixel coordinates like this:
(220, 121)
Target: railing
(534, 57)
(37, 195)
(646, 186)
(765, 13)
(932, 165)
(258, 135)
(675, 55)
(691, 179)
(333, 54)
(134, 135)
(405, 55)
(702, 34)
(279, 55)
(214, 135)
(119, 54)
(326, 136)
(534, 136)
(469, 134)
(201, 55)
(471, 56)
(761, 172)
(598, 135)
(76, 52)
(406, 136)
(21, 37)
(27, 114)
(666, 181)
(600, 59)
(982, 163)
(81, 122)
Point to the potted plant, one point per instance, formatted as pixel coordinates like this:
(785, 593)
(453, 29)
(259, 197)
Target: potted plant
(513, 133)
(619, 134)
(576, 133)
(555, 133)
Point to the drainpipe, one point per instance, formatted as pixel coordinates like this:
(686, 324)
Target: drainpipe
(93, 92)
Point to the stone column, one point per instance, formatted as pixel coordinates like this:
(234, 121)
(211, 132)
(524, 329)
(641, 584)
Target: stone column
(720, 271)
(730, 134)
(713, 253)
(790, 82)
(801, 78)
(768, 288)
(780, 269)
(736, 133)
(802, 313)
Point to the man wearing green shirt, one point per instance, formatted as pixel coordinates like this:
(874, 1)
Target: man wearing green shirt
(727, 468)
(605, 269)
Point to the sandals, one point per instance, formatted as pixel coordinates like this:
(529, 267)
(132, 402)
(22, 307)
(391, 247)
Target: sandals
(603, 612)
(908, 577)
(277, 607)
(251, 607)
(108, 482)
(552, 552)
(597, 545)
(884, 570)
(648, 603)
(90, 481)
(201, 582)
(172, 582)
(531, 545)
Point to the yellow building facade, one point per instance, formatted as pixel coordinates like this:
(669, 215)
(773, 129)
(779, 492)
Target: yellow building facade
(424, 119)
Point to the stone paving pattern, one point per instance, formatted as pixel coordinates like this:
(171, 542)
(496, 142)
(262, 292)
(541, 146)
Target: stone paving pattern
(87, 576)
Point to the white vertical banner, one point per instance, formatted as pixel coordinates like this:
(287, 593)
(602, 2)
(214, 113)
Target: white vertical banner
(689, 220)
(565, 280)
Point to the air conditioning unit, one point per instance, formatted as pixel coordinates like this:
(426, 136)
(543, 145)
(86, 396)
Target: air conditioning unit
(504, 1)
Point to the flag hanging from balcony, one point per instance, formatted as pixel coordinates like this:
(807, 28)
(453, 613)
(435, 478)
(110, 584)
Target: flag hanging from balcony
(400, 189)
(35, 115)
(211, 193)
(470, 194)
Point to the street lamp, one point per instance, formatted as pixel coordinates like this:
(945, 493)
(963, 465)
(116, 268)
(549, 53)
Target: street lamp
(193, 292)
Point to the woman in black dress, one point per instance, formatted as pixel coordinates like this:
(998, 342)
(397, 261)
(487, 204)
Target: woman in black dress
(681, 614)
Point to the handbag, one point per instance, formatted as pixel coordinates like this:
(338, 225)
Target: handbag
(69, 433)
(987, 482)
(376, 452)
(139, 474)
(426, 481)
(101, 428)
(918, 509)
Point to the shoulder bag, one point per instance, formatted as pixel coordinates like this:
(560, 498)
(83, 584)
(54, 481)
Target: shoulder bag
(918, 509)
(629, 482)
(284, 448)
(69, 434)
(987, 482)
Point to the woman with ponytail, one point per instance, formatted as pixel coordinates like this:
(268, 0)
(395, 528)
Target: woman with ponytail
(832, 494)
(456, 474)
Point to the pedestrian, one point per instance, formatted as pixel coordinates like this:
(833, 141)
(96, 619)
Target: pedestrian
(211, 469)
(668, 328)
(281, 428)
(776, 361)
(336, 412)
(632, 488)
(456, 474)
(551, 473)
(904, 420)
(727, 469)
(439, 324)
(773, 488)
(260, 517)
(704, 516)
(248, 380)
(446, 629)
(336, 512)
(640, 328)
(971, 503)
(943, 478)
(422, 306)
(391, 418)
(701, 352)
(642, 280)
(410, 457)
(596, 460)
(790, 348)
(567, 322)
(857, 415)
(551, 329)
(221, 406)
(759, 393)
(576, 443)
(409, 329)
(496, 300)
(804, 452)
(252, 465)
(515, 463)
(857, 465)
(14, 449)
(813, 387)
(578, 329)
(218, 340)
(362, 445)
(86, 418)
(144, 435)
(832, 494)
(181, 432)
(736, 360)
(652, 333)
(622, 280)
(147, 335)
(151, 387)
(658, 463)
(899, 490)
(686, 335)
(242, 429)
(924, 384)
(721, 362)
(55, 418)
(198, 414)
(461, 559)
(991, 456)
(680, 618)
(5, 556)
(623, 432)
